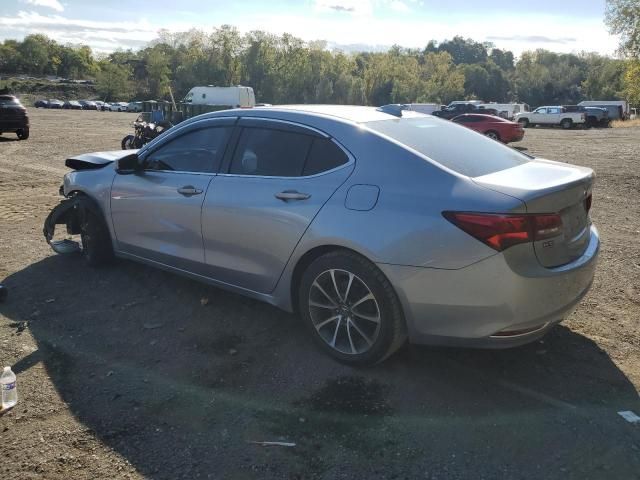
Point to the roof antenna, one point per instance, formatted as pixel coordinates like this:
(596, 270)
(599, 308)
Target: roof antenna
(394, 109)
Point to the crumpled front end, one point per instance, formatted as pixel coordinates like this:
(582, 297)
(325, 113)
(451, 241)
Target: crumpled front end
(70, 212)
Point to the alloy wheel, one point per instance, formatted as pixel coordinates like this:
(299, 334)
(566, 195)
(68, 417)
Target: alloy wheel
(344, 311)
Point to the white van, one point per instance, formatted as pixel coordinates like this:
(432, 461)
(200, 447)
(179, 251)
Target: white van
(235, 97)
(426, 108)
(507, 110)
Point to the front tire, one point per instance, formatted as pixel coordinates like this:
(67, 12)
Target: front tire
(351, 309)
(128, 142)
(97, 249)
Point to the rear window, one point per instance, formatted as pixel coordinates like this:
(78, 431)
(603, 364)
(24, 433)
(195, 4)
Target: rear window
(9, 101)
(453, 146)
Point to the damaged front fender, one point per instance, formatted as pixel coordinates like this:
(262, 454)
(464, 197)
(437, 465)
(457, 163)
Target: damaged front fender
(71, 212)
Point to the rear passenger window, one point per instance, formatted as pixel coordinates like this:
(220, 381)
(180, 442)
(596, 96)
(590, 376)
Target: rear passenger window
(324, 155)
(270, 153)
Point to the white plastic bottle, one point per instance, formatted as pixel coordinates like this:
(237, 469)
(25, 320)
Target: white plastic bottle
(9, 389)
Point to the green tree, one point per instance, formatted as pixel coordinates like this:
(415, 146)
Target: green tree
(632, 82)
(623, 18)
(157, 68)
(113, 82)
(34, 54)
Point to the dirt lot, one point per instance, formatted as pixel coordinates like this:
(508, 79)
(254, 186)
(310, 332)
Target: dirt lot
(126, 373)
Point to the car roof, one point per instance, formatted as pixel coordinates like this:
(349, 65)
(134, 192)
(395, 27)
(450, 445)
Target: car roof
(351, 113)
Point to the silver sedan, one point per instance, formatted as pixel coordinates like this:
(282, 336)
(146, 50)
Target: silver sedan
(377, 226)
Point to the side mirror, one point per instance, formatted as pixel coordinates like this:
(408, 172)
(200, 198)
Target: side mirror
(129, 164)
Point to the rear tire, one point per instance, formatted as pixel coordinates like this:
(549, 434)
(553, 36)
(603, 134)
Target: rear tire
(23, 134)
(493, 135)
(97, 249)
(524, 122)
(351, 309)
(566, 123)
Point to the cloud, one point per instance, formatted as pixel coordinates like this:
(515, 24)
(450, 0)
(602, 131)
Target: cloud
(100, 35)
(534, 39)
(355, 7)
(53, 4)
(399, 6)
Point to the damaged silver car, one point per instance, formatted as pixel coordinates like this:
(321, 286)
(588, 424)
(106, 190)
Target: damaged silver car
(375, 225)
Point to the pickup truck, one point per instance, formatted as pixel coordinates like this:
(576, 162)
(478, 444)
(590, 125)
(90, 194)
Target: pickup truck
(551, 115)
(596, 116)
(458, 108)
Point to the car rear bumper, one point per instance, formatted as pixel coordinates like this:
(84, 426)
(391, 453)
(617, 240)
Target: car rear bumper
(13, 125)
(488, 304)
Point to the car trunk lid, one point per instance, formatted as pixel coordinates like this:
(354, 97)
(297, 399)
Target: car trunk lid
(551, 187)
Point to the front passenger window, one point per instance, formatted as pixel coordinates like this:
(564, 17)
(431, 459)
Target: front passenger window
(198, 151)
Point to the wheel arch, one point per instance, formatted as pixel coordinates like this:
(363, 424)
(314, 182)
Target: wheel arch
(310, 256)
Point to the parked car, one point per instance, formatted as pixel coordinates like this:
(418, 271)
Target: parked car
(54, 103)
(553, 115)
(105, 107)
(618, 109)
(134, 107)
(13, 117)
(72, 105)
(41, 104)
(118, 107)
(99, 104)
(88, 105)
(491, 126)
(374, 224)
(595, 116)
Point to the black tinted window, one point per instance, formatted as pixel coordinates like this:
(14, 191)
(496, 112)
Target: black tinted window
(271, 153)
(324, 155)
(195, 151)
(468, 119)
(451, 145)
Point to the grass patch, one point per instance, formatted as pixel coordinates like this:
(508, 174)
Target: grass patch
(626, 124)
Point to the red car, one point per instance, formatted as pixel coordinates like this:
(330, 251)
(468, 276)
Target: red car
(497, 128)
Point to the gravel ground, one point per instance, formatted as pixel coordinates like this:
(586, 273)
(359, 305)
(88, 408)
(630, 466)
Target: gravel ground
(129, 372)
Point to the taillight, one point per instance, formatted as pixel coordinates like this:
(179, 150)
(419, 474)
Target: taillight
(587, 202)
(500, 231)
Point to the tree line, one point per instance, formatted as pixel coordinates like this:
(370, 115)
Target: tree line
(285, 69)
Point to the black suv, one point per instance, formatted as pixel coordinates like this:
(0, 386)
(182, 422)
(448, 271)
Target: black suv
(13, 117)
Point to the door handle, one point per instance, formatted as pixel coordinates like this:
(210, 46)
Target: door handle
(291, 195)
(189, 191)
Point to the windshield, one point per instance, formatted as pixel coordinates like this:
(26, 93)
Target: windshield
(453, 146)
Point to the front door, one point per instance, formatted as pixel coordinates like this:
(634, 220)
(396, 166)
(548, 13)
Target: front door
(255, 213)
(156, 213)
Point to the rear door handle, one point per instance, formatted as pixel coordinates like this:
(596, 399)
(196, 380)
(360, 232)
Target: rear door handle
(292, 195)
(189, 191)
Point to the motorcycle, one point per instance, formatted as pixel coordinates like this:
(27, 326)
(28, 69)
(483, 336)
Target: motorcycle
(144, 131)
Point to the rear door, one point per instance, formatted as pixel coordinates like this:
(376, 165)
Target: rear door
(156, 213)
(277, 179)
